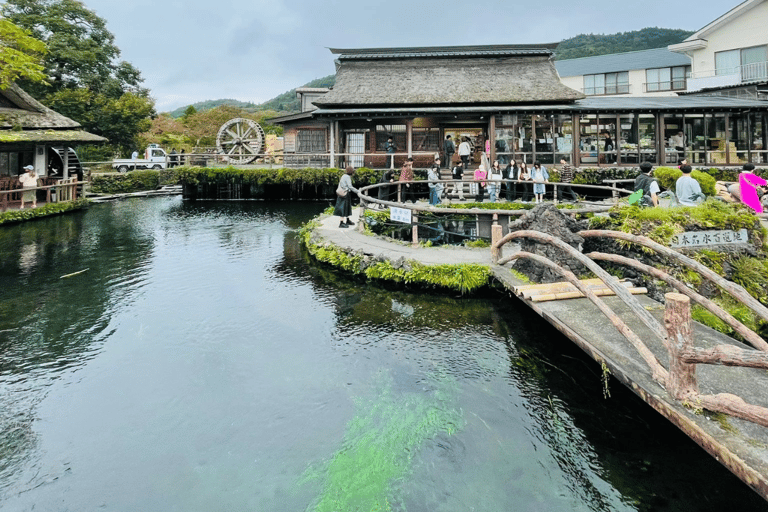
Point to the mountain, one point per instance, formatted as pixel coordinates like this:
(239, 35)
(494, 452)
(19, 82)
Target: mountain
(209, 104)
(583, 45)
(588, 45)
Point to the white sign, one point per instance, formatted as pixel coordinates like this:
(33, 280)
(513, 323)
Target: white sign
(400, 214)
(714, 237)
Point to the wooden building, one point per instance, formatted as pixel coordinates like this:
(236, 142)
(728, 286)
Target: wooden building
(31, 133)
(513, 95)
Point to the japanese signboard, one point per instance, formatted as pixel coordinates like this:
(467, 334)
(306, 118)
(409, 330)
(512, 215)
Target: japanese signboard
(693, 239)
(400, 214)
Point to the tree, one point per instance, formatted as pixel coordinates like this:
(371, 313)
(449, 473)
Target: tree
(20, 55)
(86, 82)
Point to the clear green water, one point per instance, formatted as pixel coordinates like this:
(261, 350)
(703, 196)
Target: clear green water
(203, 363)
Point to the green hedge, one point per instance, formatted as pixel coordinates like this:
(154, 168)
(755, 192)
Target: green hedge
(668, 176)
(46, 210)
(152, 179)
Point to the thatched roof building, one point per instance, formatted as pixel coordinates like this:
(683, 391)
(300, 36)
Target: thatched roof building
(467, 75)
(506, 101)
(24, 119)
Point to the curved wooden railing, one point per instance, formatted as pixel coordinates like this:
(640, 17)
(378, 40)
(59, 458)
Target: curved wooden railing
(677, 334)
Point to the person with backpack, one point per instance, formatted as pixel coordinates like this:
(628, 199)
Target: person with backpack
(650, 187)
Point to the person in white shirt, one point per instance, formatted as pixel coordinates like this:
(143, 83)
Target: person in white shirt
(29, 180)
(464, 151)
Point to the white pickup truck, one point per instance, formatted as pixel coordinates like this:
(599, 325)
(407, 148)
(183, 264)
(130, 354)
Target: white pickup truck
(155, 157)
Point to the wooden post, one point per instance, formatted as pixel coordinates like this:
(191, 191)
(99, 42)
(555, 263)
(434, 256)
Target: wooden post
(415, 228)
(361, 219)
(681, 383)
(554, 193)
(399, 193)
(496, 235)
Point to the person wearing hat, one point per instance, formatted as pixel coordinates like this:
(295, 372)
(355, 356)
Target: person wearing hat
(28, 180)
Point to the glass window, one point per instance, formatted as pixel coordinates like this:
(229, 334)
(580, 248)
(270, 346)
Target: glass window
(727, 62)
(607, 140)
(715, 127)
(646, 138)
(594, 84)
(627, 143)
(696, 138)
(544, 143)
(588, 138)
(758, 122)
(396, 131)
(678, 77)
(753, 63)
(563, 137)
(739, 138)
(426, 139)
(310, 141)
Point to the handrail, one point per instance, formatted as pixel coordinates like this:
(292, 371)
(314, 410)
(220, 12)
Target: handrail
(680, 379)
(50, 188)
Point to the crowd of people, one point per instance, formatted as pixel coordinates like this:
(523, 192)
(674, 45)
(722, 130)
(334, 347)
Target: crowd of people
(516, 181)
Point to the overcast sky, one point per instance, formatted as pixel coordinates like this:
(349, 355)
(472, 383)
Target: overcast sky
(253, 50)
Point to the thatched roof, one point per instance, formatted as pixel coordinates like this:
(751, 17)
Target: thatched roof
(19, 109)
(446, 76)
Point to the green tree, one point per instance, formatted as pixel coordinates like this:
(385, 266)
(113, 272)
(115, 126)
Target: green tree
(20, 55)
(86, 81)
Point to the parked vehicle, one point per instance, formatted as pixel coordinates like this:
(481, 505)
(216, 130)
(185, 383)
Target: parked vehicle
(155, 157)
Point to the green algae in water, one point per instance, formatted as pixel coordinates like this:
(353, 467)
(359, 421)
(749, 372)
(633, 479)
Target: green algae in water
(380, 444)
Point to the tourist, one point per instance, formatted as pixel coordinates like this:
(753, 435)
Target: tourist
(449, 148)
(650, 187)
(687, 189)
(407, 191)
(391, 149)
(174, 158)
(182, 157)
(525, 177)
(29, 180)
(435, 187)
(464, 151)
(494, 181)
(511, 172)
(458, 175)
(566, 176)
(343, 206)
(678, 142)
(539, 176)
(385, 191)
(479, 185)
(608, 147)
(734, 189)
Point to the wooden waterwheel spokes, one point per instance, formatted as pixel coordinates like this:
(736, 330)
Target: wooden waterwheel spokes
(242, 140)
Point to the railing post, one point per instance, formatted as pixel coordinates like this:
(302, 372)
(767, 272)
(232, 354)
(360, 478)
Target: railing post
(399, 192)
(681, 383)
(496, 235)
(415, 228)
(554, 193)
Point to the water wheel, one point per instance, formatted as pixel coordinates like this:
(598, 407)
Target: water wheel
(242, 140)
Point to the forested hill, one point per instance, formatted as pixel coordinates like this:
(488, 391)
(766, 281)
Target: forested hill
(588, 45)
(583, 45)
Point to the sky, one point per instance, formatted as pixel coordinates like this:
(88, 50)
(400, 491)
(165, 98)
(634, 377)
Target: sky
(254, 50)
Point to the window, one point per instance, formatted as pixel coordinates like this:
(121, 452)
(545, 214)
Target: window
(396, 131)
(750, 63)
(666, 79)
(606, 83)
(426, 139)
(727, 63)
(310, 141)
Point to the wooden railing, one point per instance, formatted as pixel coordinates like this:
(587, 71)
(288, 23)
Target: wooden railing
(677, 333)
(61, 191)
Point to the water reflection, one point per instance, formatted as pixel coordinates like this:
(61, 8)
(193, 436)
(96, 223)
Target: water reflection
(203, 362)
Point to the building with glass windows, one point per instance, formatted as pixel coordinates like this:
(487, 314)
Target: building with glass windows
(512, 95)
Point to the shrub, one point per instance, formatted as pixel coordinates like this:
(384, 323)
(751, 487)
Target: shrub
(667, 177)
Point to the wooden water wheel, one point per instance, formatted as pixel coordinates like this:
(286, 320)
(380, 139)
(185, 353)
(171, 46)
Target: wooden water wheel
(242, 140)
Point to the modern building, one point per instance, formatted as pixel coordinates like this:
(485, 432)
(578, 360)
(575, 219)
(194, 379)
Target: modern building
(729, 57)
(31, 133)
(656, 72)
(512, 95)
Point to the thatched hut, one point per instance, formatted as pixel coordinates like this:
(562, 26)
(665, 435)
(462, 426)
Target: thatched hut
(512, 96)
(31, 133)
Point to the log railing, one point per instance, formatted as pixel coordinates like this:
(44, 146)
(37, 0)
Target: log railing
(679, 379)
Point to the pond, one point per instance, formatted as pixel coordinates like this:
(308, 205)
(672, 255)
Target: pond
(197, 360)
